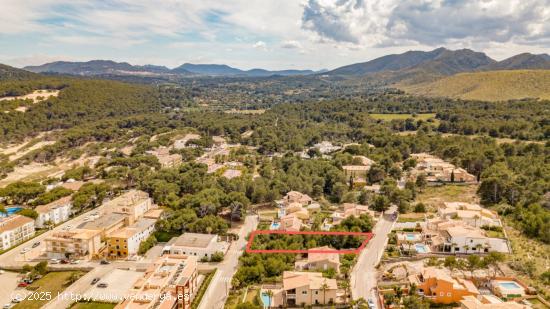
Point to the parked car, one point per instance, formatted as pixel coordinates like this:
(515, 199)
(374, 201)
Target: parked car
(25, 250)
(54, 261)
(36, 244)
(102, 285)
(64, 261)
(7, 306)
(95, 280)
(22, 284)
(104, 262)
(75, 262)
(371, 304)
(17, 299)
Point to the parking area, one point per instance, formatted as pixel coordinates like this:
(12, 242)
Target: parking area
(8, 288)
(118, 283)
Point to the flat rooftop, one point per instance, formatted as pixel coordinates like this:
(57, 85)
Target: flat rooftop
(102, 222)
(194, 240)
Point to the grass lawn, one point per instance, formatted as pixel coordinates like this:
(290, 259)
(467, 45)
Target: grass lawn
(236, 297)
(53, 282)
(93, 305)
(433, 197)
(389, 117)
(163, 236)
(494, 234)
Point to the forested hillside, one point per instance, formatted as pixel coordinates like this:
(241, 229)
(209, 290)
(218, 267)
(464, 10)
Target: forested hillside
(488, 86)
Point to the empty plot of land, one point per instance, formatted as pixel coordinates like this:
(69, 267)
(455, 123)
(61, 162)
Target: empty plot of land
(31, 171)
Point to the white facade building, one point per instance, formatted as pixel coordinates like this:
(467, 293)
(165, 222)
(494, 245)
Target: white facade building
(14, 230)
(55, 212)
(199, 245)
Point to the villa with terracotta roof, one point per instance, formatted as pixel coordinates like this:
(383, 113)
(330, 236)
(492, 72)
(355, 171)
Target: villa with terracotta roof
(55, 212)
(304, 289)
(319, 261)
(290, 222)
(440, 287)
(14, 230)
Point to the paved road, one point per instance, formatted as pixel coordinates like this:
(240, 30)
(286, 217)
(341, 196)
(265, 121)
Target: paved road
(217, 291)
(363, 275)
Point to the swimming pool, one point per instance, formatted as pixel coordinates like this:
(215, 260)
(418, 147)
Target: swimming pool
(410, 237)
(421, 248)
(266, 300)
(275, 226)
(11, 211)
(509, 285)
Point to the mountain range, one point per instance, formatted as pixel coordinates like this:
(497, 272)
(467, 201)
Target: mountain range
(108, 67)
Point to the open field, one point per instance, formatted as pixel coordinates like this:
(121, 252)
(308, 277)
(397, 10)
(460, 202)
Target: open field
(35, 96)
(53, 282)
(488, 86)
(389, 117)
(434, 197)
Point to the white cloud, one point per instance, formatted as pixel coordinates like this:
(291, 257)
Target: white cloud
(260, 45)
(291, 44)
(429, 22)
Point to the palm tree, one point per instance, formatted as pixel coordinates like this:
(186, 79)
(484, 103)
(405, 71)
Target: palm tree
(269, 294)
(466, 248)
(476, 217)
(453, 246)
(324, 288)
(478, 247)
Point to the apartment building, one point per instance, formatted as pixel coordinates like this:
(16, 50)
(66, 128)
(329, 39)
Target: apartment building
(134, 204)
(14, 230)
(78, 243)
(125, 242)
(174, 276)
(440, 287)
(199, 245)
(54, 213)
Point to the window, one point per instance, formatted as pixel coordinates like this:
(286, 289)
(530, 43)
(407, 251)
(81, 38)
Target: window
(441, 294)
(304, 292)
(316, 292)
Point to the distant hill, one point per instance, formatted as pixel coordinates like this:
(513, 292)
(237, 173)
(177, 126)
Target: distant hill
(521, 61)
(8, 73)
(225, 70)
(488, 86)
(99, 67)
(416, 66)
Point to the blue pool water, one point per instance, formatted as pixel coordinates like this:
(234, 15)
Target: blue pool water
(275, 226)
(11, 211)
(266, 300)
(420, 248)
(509, 285)
(410, 237)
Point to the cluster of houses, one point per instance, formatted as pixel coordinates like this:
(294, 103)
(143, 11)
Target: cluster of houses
(357, 172)
(438, 170)
(294, 211)
(459, 228)
(125, 222)
(441, 286)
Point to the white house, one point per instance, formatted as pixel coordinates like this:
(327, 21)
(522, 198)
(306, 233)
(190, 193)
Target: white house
(55, 212)
(199, 245)
(14, 230)
(458, 237)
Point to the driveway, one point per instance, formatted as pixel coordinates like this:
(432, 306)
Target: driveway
(363, 275)
(217, 291)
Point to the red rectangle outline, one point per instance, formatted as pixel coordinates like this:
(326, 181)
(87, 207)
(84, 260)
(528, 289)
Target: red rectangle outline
(368, 237)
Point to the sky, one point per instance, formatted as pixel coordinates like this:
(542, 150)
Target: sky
(270, 34)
